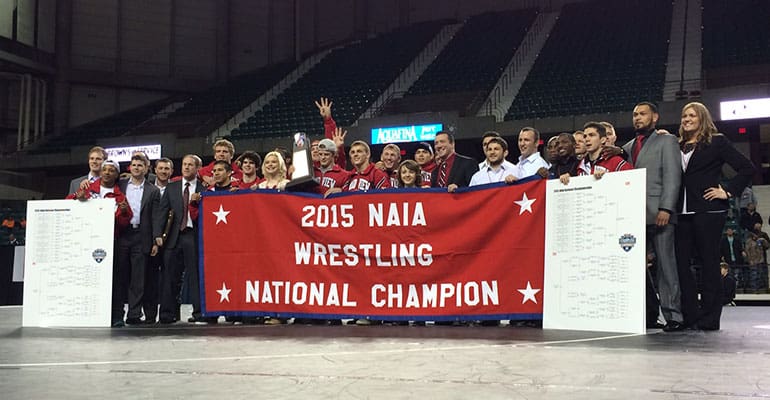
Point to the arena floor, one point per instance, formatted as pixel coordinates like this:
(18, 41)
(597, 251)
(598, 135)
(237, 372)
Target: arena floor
(433, 362)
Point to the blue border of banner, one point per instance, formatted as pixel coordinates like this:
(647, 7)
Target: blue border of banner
(444, 318)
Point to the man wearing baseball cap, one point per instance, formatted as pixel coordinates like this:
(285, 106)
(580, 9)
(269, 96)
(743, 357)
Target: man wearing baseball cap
(424, 157)
(328, 174)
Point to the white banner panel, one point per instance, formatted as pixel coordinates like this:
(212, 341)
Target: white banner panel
(595, 253)
(68, 263)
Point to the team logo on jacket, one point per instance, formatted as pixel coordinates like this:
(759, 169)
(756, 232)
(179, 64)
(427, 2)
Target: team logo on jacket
(627, 242)
(99, 255)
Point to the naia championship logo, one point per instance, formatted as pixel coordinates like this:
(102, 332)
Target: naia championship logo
(99, 255)
(627, 242)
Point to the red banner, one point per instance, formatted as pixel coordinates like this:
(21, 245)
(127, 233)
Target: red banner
(419, 254)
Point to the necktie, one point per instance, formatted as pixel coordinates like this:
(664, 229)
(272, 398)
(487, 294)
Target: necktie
(185, 205)
(637, 146)
(442, 175)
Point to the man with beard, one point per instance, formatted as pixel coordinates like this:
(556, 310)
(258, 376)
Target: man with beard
(454, 170)
(424, 158)
(484, 142)
(498, 168)
(660, 155)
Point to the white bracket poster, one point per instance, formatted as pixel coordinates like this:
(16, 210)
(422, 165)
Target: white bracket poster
(68, 263)
(595, 255)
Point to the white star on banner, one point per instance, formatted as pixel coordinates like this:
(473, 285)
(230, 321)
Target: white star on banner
(221, 215)
(525, 204)
(224, 293)
(529, 293)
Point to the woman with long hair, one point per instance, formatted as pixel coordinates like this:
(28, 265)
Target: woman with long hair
(410, 175)
(702, 208)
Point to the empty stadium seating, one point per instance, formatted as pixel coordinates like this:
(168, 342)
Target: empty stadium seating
(352, 77)
(601, 56)
(736, 32)
(471, 63)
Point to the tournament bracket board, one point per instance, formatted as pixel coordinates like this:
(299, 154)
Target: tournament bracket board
(595, 257)
(68, 263)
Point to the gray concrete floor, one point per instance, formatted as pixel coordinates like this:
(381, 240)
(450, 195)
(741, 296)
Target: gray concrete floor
(394, 362)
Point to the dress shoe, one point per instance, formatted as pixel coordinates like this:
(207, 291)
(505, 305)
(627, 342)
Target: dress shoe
(133, 321)
(673, 326)
(118, 324)
(164, 321)
(655, 325)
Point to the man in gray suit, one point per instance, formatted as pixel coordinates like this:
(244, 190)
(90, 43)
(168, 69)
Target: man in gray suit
(96, 157)
(137, 244)
(660, 155)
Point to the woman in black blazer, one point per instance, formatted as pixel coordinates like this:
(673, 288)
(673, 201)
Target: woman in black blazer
(703, 205)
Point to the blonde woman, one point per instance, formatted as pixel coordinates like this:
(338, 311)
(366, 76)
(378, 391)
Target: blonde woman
(274, 172)
(702, 207)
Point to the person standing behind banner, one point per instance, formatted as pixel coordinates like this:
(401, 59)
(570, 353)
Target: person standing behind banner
(364, 175)
(250, 163)
(454, 170)
(223, 150)
(497, 168)
(530, 161)
(328, 174)
(181, 243)
(424, 158)
(565, 164)
(389, 162)
(485, 138)
(106, 188)
(410, 175)
(274, 172)
(703, 205)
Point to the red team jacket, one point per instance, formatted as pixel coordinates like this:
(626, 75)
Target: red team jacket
(370, 178)
(612, 164)
(122, 217)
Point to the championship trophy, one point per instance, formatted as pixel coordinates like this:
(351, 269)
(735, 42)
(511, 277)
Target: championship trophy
(302, 177)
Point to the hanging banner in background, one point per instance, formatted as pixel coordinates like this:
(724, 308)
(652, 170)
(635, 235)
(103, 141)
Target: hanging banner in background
(421, 254)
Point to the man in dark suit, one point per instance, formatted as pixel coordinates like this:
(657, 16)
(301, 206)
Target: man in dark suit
(659, 154)
(453, 170)
(96, 157)
(164, 168)
(181, 245)
(137, 244)
(731, 248)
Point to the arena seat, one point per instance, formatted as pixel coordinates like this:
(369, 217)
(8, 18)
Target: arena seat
(352, 77)
(600, 57)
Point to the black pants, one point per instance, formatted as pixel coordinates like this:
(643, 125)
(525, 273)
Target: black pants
(181, 259)
(132, 262)
(152, 281)
(700, 235)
